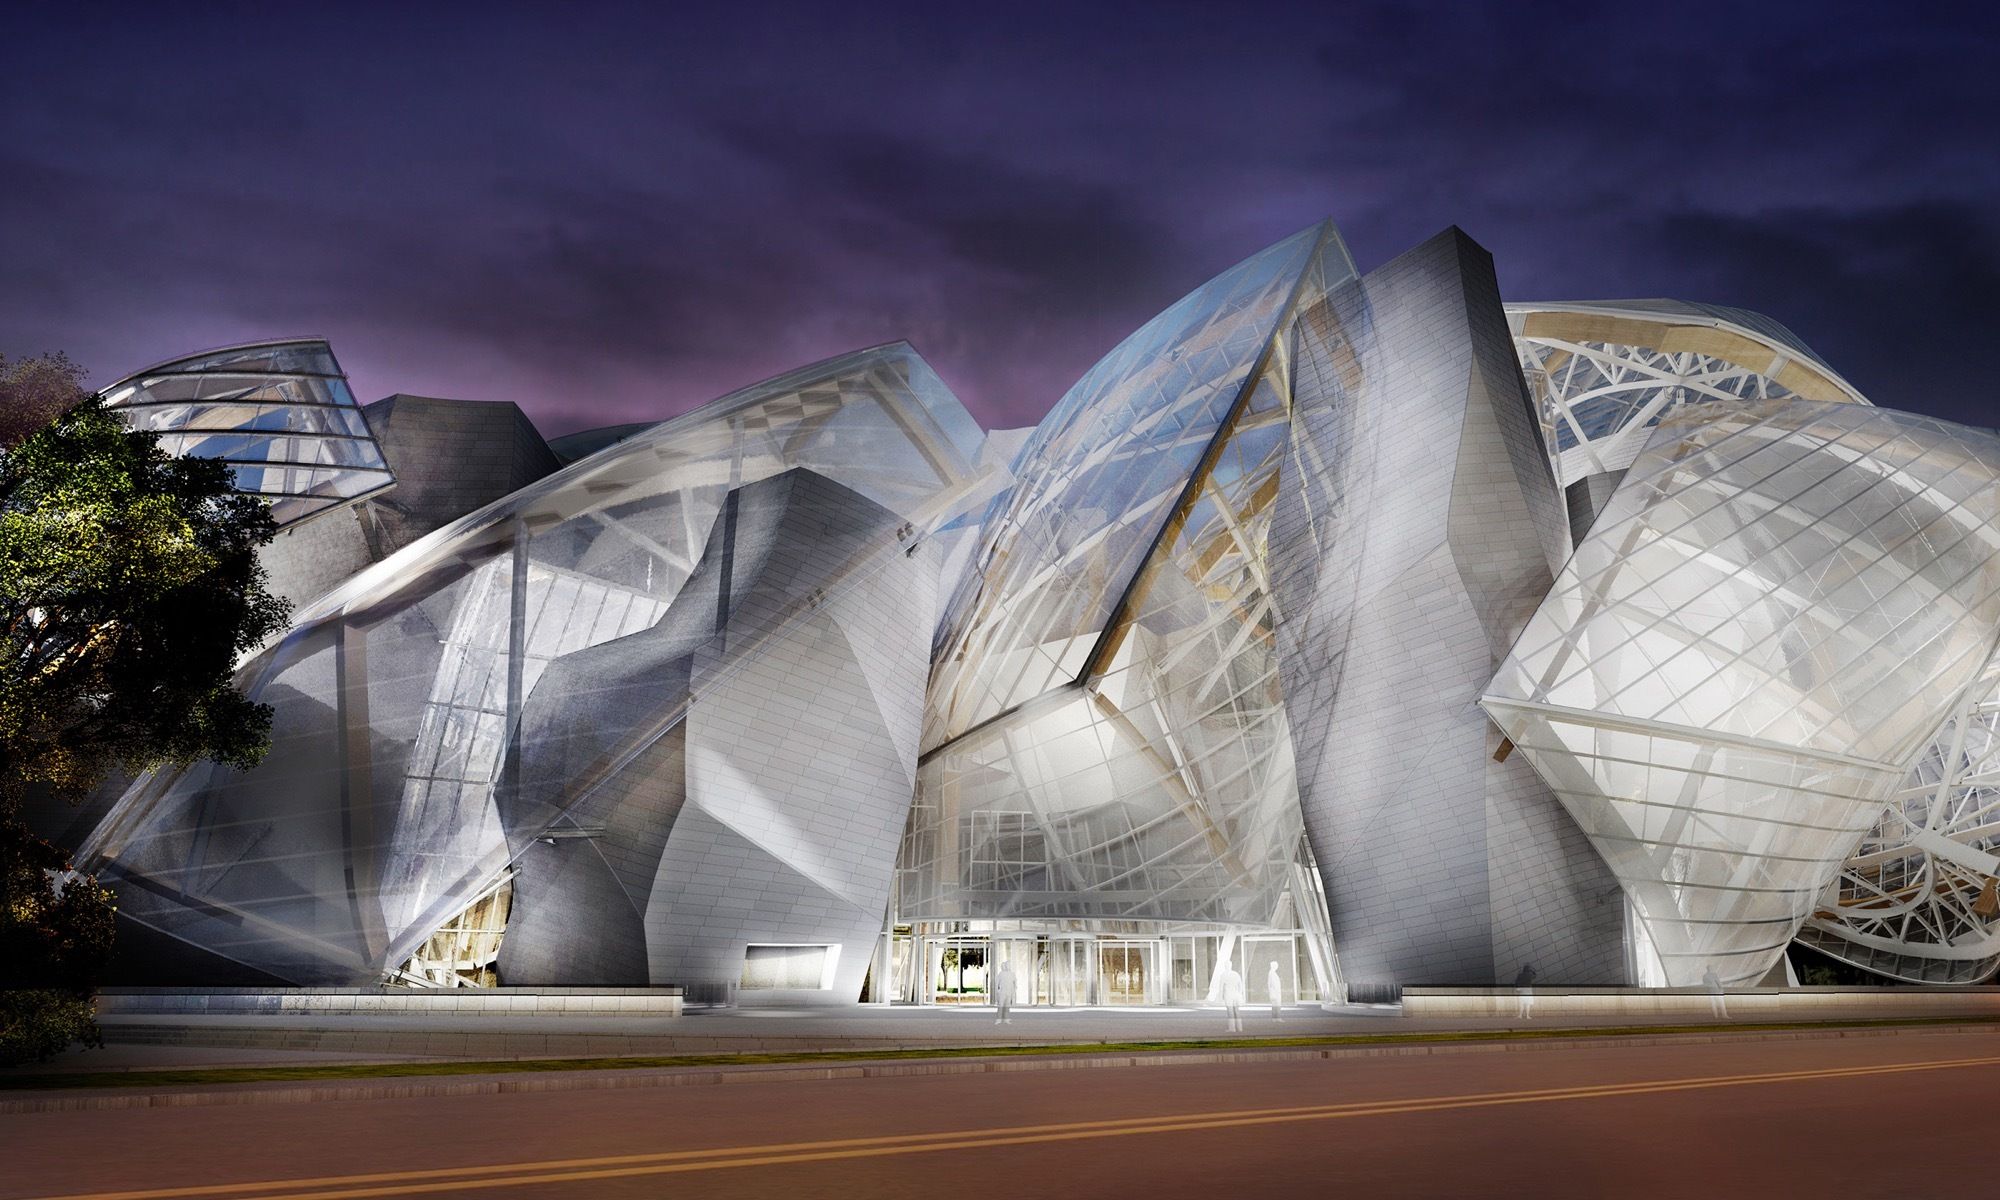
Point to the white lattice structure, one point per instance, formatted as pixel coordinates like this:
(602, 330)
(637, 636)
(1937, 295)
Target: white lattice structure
(1920, 899)
(1603, 374)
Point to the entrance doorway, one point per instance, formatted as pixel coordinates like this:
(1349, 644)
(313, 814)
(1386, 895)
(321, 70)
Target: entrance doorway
(957, 971)
(1125, 972)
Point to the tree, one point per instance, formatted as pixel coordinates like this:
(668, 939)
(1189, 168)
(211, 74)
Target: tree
(55, 937)
(34, 392)
(129, 586)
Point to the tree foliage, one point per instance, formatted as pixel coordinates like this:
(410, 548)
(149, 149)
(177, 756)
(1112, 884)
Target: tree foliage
(34, 392)
(55, 936)
(128, 587)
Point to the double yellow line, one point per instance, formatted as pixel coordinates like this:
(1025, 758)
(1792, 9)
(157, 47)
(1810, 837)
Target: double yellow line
(625, 1166)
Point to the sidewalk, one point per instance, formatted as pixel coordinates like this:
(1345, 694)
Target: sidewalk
(173, 1077)
(154, 1041)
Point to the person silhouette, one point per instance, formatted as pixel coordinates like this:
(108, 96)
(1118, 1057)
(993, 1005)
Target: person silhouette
(1524, 993)
(1717, 1005)
(1003, 994)
(1232, 996)
(1274, 990)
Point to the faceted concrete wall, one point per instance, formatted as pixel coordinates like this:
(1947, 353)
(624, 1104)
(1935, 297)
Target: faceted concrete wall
(450, 457)
(309, 558)
(790, 676)
(1418, 526)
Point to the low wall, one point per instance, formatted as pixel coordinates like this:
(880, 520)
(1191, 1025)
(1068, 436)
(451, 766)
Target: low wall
(334, 1002)
(1697, 1004)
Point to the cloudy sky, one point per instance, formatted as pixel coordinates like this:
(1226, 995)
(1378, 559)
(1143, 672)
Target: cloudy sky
(612, 213)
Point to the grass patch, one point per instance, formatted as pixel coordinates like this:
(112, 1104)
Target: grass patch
(206, 1076)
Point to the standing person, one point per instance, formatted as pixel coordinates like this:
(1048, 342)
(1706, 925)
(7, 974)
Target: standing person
(1717, 1005)
(1274, 990)
(1003, 994)
(1524, 992)
(1232, 996)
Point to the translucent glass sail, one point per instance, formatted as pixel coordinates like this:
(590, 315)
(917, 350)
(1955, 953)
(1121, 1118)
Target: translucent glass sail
(1161, 787)
(1778, 609)
(279, 413)
(1101, 478)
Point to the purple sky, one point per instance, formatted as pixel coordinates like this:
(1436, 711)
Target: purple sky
(615, 213)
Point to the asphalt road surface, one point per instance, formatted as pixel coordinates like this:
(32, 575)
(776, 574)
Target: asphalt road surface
(1912, 1114)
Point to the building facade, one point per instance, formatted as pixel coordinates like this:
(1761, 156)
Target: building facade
(1352, 628)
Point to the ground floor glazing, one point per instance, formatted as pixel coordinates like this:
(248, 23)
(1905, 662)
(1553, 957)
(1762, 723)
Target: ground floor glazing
(961, 963)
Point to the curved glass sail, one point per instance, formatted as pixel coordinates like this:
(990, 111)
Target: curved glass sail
(1130, 561)
(1102, 477)
(1754, 644)
(279, 413)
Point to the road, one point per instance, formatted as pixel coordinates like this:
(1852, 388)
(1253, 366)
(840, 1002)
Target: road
(1910, 1114)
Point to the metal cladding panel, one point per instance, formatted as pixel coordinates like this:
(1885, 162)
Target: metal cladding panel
(745, 771)
(413, 763)
(451, 457)
(1417, 526)
(801, 748)
(1758, 638)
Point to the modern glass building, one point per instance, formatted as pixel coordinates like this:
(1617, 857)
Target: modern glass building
(1355, 629)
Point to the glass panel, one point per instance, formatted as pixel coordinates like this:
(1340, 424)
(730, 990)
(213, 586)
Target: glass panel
(1100, 478)
(215, 405)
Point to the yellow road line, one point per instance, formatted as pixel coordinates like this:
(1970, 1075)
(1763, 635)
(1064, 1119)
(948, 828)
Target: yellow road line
(520, 1174)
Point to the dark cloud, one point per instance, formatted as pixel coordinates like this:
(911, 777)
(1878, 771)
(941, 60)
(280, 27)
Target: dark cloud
(612, 212)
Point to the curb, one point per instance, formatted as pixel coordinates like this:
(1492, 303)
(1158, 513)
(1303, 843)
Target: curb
(604, 1079)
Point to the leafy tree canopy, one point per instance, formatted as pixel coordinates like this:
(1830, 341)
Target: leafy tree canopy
(56, 931)
(128, 587)
(34, 392)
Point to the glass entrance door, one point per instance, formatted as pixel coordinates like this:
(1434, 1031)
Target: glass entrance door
(957, 971)
(1125, 972)
(1072, 971)
(1018, 954)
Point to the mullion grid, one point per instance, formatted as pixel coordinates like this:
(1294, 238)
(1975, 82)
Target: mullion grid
(1736, 575)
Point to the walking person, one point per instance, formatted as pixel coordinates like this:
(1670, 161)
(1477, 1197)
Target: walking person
(1274, 991)
(1718, 1006)
(1524, 993)
(1232, 995)
(1003, 994)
